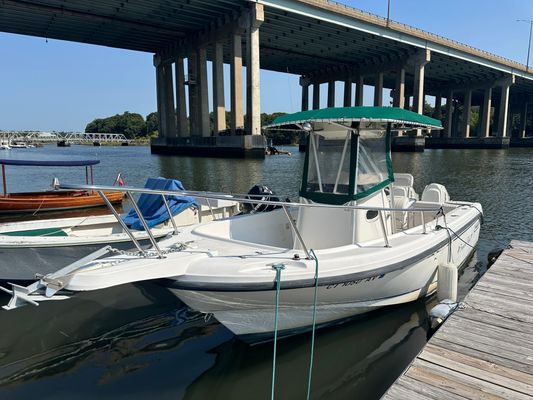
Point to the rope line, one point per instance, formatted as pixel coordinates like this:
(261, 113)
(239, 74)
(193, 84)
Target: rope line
(278, 268)
(310, 376)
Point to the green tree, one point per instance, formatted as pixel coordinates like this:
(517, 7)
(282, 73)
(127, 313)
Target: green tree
(152, 124)
(131, 125)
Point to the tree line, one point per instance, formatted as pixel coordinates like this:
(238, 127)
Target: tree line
(133, 126)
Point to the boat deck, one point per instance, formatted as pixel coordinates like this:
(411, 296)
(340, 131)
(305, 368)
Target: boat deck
(486, 349)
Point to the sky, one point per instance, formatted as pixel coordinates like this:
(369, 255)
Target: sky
(56, 85)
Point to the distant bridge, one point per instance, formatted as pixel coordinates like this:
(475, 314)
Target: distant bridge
(54, 137)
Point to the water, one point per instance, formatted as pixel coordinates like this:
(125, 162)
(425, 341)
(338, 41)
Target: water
(136, 341)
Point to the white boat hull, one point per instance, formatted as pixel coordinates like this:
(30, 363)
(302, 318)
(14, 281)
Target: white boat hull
(253, 312)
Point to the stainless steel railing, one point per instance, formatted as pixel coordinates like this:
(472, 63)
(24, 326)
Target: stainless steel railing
(236, 198)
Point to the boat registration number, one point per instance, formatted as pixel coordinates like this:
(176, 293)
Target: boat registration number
(354, 282)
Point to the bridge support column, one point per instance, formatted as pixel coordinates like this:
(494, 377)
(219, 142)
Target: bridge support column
(407, 102)
(378, 89)
(219, 109)
(331, 94)
(181, 106)
(316, 95)
(192, 70)
(237, 117)
(418, 90)
(523, 121)
(485, 114)
(467, 107)
(253, 98)
(359, 90)
(504, 106)
(398, 99)
(304, 83)
(438, 106)
(347, 92)
(205, 129)
(449, 115)
(165, 99)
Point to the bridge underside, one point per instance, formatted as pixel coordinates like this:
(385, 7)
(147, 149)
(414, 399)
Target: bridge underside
(319, 41)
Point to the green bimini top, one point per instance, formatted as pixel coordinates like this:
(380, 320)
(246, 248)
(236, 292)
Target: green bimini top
(350, 114)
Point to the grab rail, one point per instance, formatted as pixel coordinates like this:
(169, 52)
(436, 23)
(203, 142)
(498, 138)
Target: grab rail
(221, 196)
(229, 197)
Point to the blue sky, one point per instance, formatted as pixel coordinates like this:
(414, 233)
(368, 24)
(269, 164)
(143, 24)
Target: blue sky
(55, 85)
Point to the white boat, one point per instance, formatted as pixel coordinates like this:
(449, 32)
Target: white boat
(18, 145)
(39, 246)
(354, 242)
(5, 146)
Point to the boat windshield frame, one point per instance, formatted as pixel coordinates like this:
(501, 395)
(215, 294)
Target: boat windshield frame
(354, 189)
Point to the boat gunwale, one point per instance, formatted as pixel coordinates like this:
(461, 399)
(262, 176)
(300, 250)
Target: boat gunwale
(203, 286)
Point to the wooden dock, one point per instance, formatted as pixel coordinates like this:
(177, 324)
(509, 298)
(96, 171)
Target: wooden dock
(484, 350)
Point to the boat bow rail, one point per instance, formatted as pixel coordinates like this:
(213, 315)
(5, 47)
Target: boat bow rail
(49, 287)
(241, 198)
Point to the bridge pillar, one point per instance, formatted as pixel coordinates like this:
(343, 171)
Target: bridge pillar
(192, 81)
(438, 106)
(331, 94)
(347, 92)
(485, 113)
(467, 107)
(165, 99)
(398, 99)
(181, 107)
(316, 95)
(219, 109)
(523, 120)
(203, 93)
(237, 117)
(449, 115)
(359, 90)
(304, 83)
(504, 106)
(407, 102)
(253, 97)
(420, 62)
(378, 89)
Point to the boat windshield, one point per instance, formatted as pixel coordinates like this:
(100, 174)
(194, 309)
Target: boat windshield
(374, 169)
(346, 164)
(329, 164)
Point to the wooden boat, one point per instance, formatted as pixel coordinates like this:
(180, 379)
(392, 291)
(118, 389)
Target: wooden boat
(53, 200)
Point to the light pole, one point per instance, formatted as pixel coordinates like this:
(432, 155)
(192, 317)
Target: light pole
(388, 12)
(530, 22)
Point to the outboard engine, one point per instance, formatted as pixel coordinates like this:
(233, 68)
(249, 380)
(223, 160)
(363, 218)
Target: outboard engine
(259, 192)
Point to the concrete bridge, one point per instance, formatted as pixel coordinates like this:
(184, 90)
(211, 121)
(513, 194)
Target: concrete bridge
(321, 41)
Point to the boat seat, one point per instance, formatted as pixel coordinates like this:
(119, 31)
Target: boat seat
(400, 191)
(401, 218)
(435, 193)
(401, 179)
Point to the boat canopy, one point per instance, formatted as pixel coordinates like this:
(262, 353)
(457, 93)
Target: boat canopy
(348, 156)
(49, 163)
(398, 116)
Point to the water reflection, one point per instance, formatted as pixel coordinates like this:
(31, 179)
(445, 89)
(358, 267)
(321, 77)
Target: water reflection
(133, 339)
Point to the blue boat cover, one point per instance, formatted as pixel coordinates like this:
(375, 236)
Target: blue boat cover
(152, 206)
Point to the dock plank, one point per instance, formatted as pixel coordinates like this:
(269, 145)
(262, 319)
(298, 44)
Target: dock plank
(484, 350)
